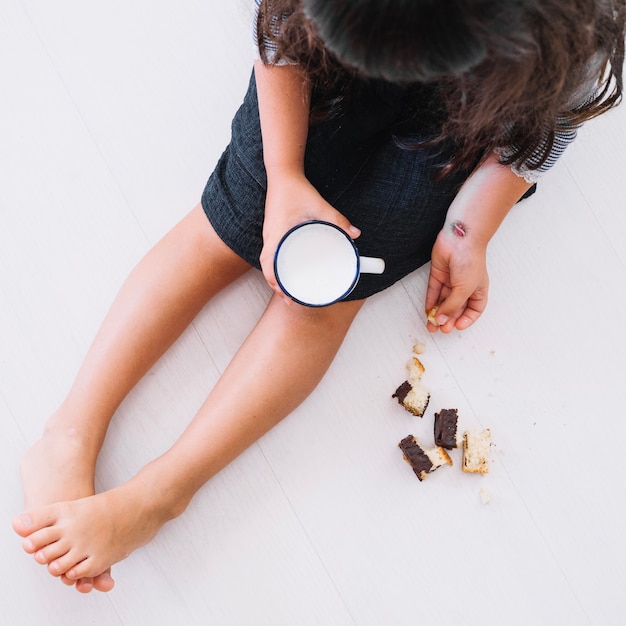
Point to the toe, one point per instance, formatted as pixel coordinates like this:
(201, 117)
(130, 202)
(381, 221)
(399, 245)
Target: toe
(27, 523)
(104, 582)
(64, 563)
(84, 585)
(87, 567)
(23, 525)
(40, 539)
(51, 552)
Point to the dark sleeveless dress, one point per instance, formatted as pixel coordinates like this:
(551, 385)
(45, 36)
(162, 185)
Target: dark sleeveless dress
(360, 163)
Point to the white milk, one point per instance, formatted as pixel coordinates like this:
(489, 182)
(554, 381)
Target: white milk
(316, 264)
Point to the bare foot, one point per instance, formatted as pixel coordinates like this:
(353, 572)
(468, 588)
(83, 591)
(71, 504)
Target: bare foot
(82, 538)
(60, 467)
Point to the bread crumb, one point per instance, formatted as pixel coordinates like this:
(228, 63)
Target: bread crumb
(485, 495)
(419, 347)
(415, 369)
(431, 315)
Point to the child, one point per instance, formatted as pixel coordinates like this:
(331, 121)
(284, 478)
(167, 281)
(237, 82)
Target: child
(415, 126)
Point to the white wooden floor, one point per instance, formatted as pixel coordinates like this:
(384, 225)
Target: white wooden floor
(112, 116)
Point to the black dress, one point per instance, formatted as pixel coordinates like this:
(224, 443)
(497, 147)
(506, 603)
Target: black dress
(365, 163)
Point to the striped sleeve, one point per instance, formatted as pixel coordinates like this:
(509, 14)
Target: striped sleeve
(587, 91)
(528, 170)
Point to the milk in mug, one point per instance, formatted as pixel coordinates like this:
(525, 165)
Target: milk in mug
(317, 264)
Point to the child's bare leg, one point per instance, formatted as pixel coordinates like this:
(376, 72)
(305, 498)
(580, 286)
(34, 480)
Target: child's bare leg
(278, 365)
(156, 303)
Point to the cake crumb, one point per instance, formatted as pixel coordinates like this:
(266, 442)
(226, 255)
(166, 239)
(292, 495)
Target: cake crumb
(419, 347)
(485, 495)
(431, 315)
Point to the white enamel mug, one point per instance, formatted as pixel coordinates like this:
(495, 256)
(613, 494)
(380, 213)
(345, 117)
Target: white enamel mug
(317, 264)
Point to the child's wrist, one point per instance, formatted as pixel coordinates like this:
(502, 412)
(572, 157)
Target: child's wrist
(460, 233)
(284, 169)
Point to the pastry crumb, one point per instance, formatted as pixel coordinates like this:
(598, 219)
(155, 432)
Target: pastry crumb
(431, 315)
(419, 347)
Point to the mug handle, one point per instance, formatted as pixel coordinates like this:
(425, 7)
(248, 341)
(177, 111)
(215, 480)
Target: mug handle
(371, 265)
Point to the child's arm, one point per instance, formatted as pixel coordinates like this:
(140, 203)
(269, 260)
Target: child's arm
(284, 101)
(458, 280)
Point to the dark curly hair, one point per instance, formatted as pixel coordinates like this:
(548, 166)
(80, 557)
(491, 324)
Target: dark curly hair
(510, 73)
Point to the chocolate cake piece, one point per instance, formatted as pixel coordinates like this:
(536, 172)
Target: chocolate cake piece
(411, 394)
(423, 461)
(476, 444)
(446, 428)
(414, 397)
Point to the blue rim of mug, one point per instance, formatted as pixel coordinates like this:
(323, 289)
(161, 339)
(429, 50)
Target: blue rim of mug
(356, 254)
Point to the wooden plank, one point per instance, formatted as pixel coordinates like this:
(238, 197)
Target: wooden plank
(67, 237)
(145, 78)
(597, 162)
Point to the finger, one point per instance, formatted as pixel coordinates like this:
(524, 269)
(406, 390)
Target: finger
(452, 305)
(432, 328)
(435, 321)
(353, 231)
(472, 312)
(433, 292)
(340, 220)
(438, 289)
(466, 320)
(271, 280)
(447, 321)
(279, 292)
(449, 325)
(435, 295)
(466, 314)
(267, 267)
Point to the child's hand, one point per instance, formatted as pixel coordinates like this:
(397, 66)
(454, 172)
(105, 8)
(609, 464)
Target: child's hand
(458, 283)
(291, 199)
